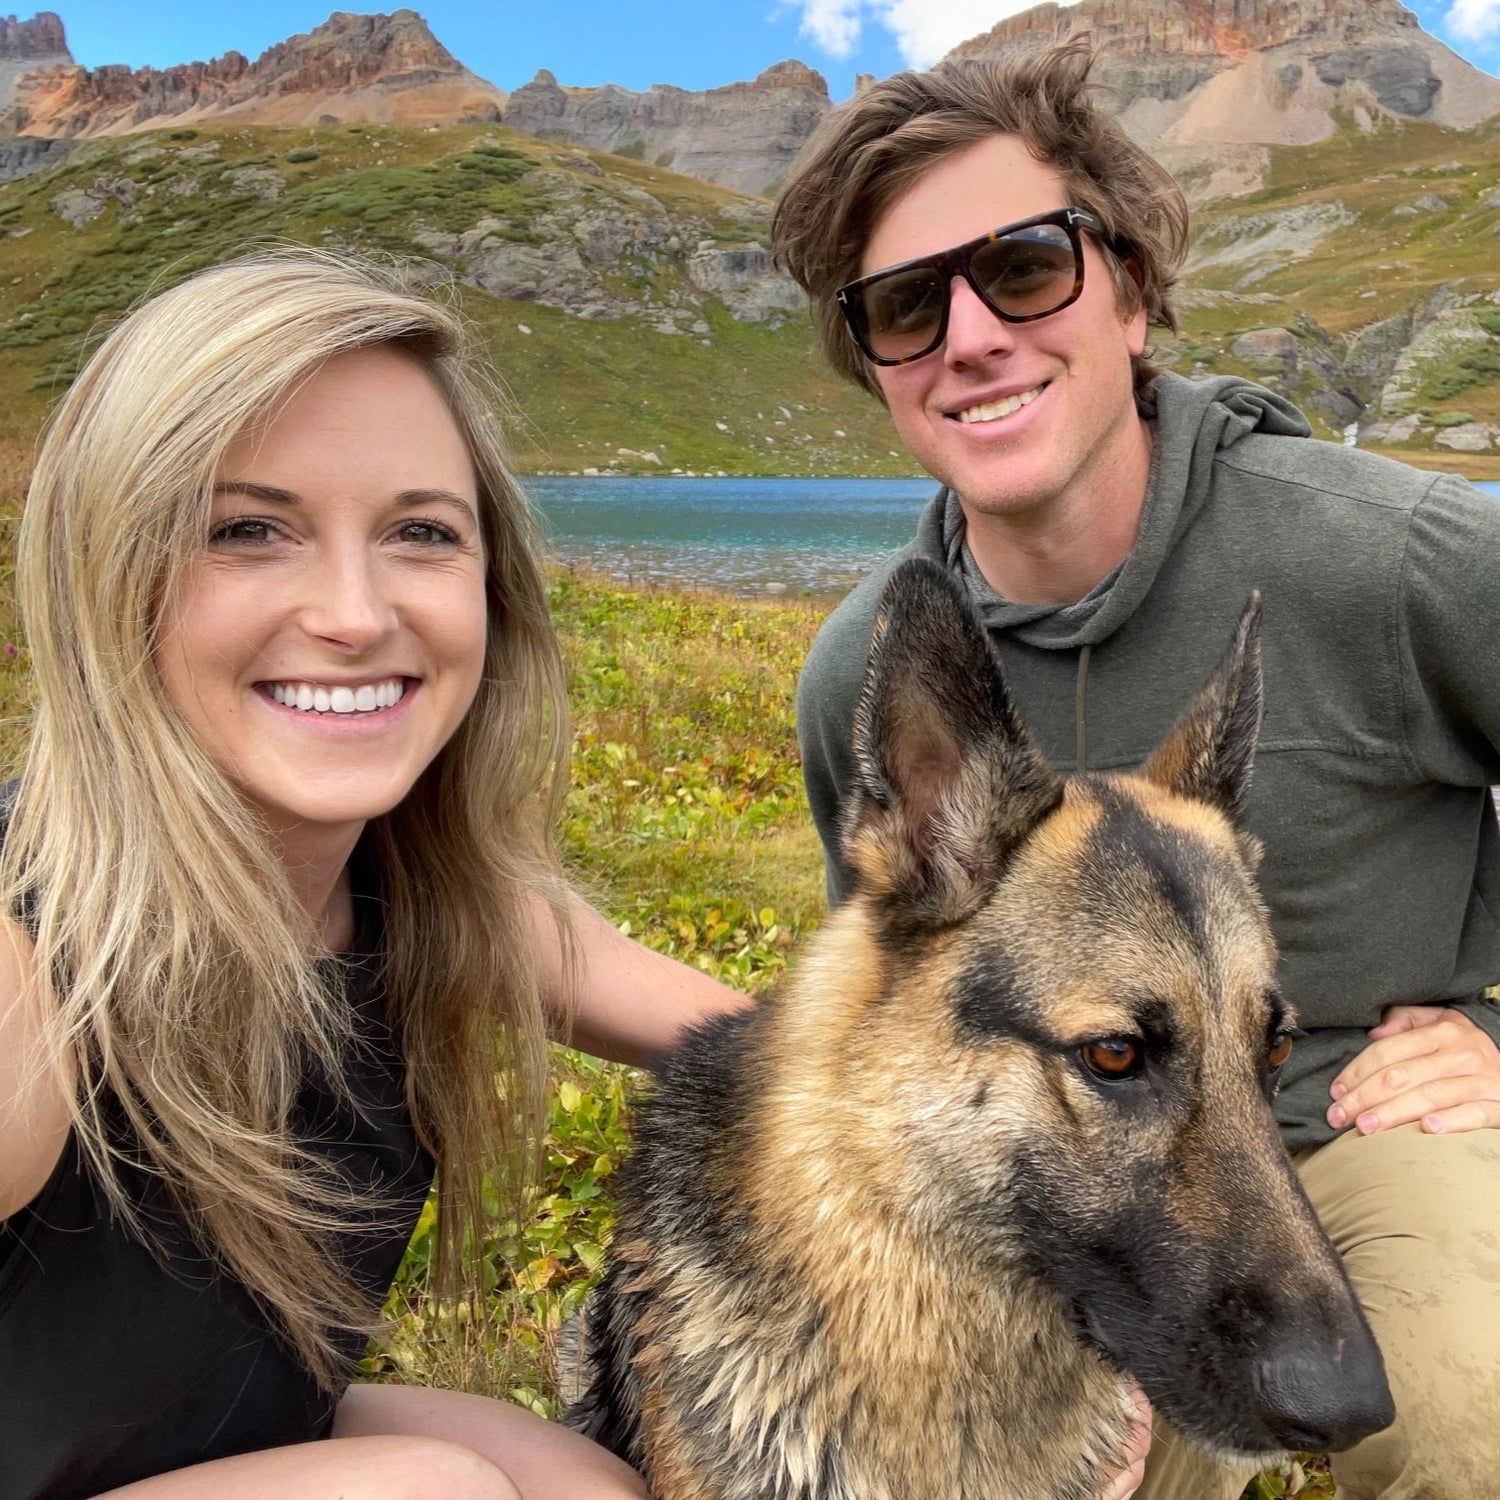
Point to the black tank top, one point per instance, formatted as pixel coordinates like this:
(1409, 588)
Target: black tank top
(116, 1365)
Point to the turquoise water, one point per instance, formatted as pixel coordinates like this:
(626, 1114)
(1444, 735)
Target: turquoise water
(746, 536)
(743, 535)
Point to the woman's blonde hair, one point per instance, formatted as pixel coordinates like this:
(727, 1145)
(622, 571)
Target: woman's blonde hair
(172, 957)
(866, 153)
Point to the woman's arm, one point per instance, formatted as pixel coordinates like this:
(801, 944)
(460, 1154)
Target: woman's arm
(33, 1101)
(631, 1002)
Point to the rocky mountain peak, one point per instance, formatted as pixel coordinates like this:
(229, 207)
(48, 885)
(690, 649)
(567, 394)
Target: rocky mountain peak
(41, 37)
(349, 50)
(354, 67)
(1208, 85)
(791, 74)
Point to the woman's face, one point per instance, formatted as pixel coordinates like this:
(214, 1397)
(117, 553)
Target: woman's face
(331, 636)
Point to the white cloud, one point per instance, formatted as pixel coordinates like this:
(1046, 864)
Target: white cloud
(833, 24)
(1474, 20)
(924, 30)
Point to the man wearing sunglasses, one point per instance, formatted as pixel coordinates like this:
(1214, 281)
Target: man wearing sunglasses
(985, 251)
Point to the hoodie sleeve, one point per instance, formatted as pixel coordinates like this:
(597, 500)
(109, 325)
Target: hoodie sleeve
(1449, 619)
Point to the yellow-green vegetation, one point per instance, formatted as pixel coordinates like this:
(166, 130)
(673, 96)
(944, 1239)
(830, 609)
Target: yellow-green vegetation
(687, 822)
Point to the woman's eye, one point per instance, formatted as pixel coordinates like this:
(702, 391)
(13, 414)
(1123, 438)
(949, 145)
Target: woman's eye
(243, 531)
(428, 534)
(1113, 1058)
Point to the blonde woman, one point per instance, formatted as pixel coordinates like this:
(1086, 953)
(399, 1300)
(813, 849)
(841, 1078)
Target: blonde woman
(284, 904)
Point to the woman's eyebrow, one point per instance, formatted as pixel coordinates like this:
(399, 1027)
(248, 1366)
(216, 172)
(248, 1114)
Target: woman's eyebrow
(267, 492)
(436, 497)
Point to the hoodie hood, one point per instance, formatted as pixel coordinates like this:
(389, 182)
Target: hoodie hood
(1192, 421)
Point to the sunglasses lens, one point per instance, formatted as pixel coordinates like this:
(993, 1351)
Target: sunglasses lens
(1028, 273)
(903, 312)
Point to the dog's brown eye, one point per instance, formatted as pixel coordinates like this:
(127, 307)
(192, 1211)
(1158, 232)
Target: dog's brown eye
(1114, 1058)
(1280, 1050)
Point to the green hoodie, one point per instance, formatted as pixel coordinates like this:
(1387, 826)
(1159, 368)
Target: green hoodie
(1381, 645)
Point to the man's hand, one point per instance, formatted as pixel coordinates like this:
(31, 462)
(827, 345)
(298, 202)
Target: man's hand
(1424, 1062)
(1125, 1482)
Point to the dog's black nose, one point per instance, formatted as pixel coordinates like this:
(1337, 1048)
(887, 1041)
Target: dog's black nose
(1324, 1399)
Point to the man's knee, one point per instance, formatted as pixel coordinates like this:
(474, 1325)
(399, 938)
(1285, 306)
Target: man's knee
(1417, 1220)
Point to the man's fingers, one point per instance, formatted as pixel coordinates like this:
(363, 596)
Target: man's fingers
(1407, 1079)
(1480, 1114)
(1407, 1018)
(1398, 1049)
(1431, 1100)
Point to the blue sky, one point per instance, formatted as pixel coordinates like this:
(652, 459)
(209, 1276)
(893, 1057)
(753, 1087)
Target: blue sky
(686, 42)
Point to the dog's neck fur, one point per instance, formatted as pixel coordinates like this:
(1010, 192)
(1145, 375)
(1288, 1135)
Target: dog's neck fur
(975, 1346)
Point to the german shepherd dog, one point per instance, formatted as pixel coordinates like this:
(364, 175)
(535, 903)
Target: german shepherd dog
(900, 1233)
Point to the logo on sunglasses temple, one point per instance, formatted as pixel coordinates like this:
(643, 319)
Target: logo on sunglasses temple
(1020, 272)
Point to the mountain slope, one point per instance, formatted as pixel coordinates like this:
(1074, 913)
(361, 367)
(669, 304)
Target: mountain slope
(628, 308)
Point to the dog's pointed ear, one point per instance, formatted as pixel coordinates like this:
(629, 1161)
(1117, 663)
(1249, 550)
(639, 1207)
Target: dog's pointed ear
(1208, 754)
(948, 781)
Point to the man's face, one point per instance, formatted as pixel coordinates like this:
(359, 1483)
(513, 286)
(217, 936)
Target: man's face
(953, 407)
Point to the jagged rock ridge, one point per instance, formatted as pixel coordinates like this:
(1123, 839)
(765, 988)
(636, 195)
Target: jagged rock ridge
(41, 38)
(743, 135)
(356, 67)
(1208, 84)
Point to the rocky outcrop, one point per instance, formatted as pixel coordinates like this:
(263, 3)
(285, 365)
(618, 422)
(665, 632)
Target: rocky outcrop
(19, 158)
(611, 250)
(1204, 82)
(743, 135)
(353, 67)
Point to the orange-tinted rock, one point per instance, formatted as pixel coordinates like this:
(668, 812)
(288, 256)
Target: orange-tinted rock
(355, 67)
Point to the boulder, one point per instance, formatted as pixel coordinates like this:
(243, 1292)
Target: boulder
(1471, 437)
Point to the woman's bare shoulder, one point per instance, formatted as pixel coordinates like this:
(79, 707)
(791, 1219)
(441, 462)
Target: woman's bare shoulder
(33, 1102)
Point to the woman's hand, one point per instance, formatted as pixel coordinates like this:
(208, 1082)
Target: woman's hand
(1424, 1062)
(1125, 1482)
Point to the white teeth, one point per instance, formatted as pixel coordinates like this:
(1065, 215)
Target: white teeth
(992, 411)
(369, 697)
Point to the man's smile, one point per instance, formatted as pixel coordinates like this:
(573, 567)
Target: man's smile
(1001, 406)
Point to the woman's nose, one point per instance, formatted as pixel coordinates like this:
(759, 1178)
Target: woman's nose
(349, 602)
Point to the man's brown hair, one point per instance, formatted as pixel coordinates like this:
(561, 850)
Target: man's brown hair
(868, 152)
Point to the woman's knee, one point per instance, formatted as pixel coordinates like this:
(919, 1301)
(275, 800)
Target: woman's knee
(416, 1468)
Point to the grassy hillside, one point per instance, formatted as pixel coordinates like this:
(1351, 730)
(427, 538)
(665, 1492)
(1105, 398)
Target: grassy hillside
(1381, 251)
(147, 210)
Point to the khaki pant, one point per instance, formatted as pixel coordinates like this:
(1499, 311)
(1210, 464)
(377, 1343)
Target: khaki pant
(1417, 1219)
